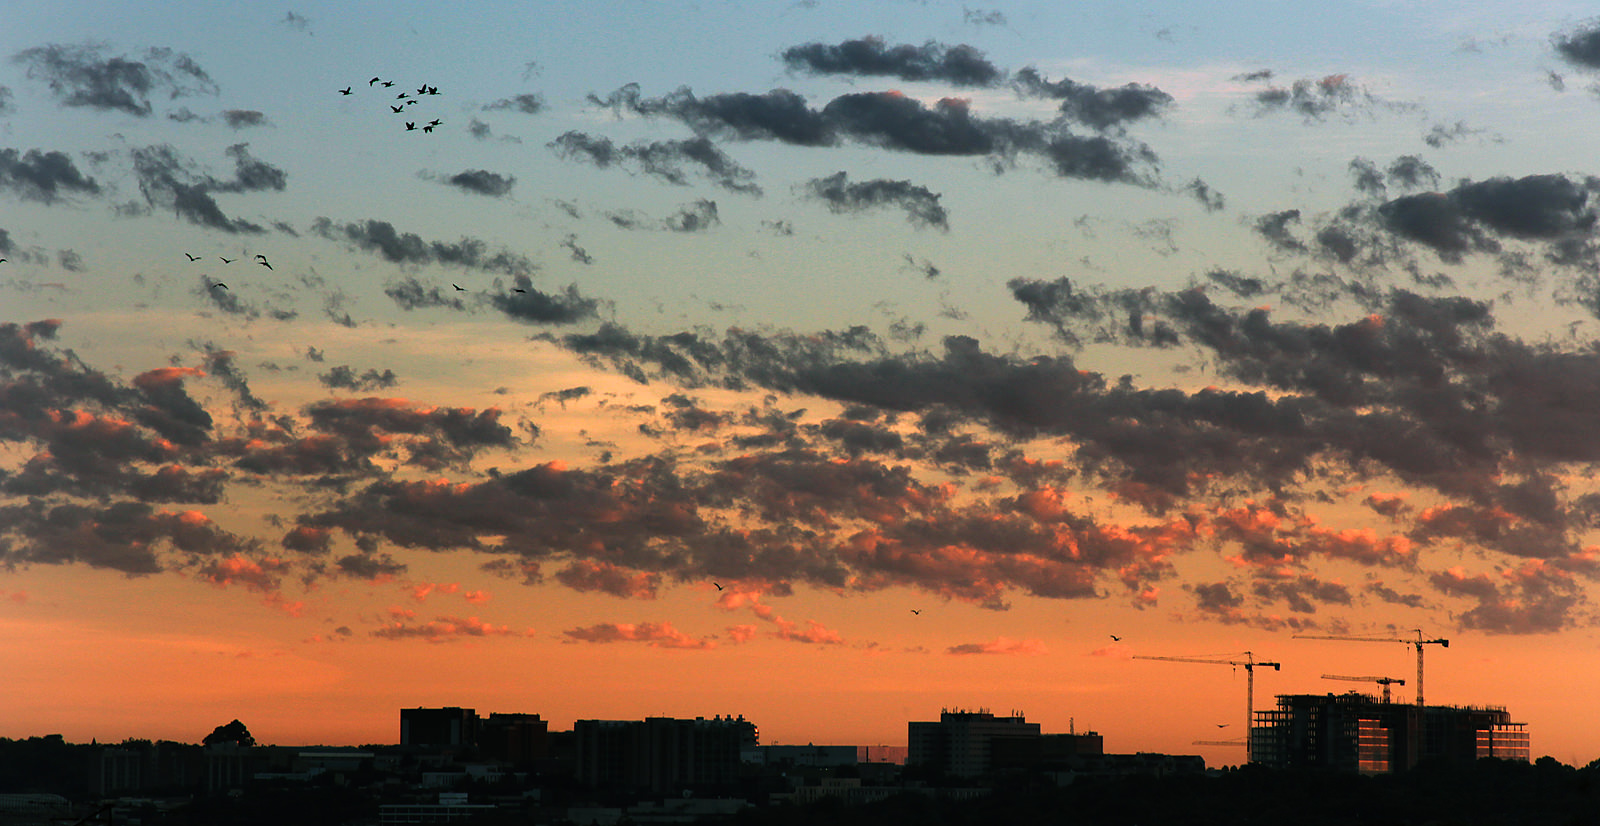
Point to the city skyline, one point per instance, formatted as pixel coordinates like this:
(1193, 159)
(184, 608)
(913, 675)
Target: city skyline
(820, 362)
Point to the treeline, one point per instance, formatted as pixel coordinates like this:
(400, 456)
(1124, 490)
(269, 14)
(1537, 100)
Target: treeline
(1486, 792)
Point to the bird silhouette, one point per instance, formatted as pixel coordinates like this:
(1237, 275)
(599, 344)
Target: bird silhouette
(3, 260)
(262, 260)
(398, 109)
(518, 290)
(459, 287)
(388, 83)
(219, 284)
(718, 584)
(228, 260)
(1222, 725)
(411, 127)
(401, 96)
(433, 90)
(345, 91)
(422, 91)
(917, 611)
(1115, 638)
(193, 257)
(374, 80)
(411, 101)
(435, 122)
(428, 128)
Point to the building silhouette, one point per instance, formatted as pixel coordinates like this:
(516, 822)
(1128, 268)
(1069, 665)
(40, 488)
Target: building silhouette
(962, 742)
(662, 754)
(1358, 733)
(439, 727)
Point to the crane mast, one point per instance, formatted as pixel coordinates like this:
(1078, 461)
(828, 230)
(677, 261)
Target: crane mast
(1416, 643)
(1249, 664)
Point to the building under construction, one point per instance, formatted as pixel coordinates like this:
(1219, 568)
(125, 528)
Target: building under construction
(1359, 733)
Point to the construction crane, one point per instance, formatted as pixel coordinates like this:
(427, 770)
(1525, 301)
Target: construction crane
(1249, 664)
(1418, 643)
(1383, 681)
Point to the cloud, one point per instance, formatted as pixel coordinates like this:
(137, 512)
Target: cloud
(655, 635)
(408, 248)
(345, 378)
(525, 103)
(1316, 98)
(665, 160)
(1579, 46)
(46, 177)
(1097, 108)
(841, 195)
(482, 182)
(169, 181)
(524, 303)
(1001, 645)
(589, 575)
(84, 76)
(888, 120)
(442, 629)
(961, 65)
(242, 118)
(297, 22)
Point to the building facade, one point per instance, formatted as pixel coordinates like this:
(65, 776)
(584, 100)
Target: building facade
(1358, 733)
(662, 754)
(439, 727)
(961, 743)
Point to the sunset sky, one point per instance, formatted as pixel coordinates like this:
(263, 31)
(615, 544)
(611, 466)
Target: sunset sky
(831, 363)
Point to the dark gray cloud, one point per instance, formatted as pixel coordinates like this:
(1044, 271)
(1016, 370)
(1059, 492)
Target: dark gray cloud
(921, 205)
(525, 303)
(242, 118)
(525, 103)
(1580, 45)
(483, 182)
(1092, 106)
(344, 377)
(84, 75)
(5, 100)
(298, 22)
(382, 239)
(1475, 216)
(170, 181)
(412, 294)
(698, 216)
(1317, 98)
(46, 177)
(885, 119)
(665, 159)
(961, 65)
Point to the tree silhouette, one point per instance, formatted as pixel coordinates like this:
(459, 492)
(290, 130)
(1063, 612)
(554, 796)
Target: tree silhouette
(234, 732)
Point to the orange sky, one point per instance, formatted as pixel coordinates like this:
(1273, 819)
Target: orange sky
(949, 345)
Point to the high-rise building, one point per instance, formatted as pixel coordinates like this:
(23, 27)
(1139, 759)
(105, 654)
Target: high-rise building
(961, 743)
(440, 727)
(515, 738)
(1357, 733)
(662, 754)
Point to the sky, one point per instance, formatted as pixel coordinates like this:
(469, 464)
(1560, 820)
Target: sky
(829, 363)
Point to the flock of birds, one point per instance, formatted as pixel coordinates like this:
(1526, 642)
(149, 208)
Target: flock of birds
(259, 259)
(407, 98)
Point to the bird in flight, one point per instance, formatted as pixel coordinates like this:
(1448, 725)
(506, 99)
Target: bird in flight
(1222, 725)
(398, 109)
(345, 91)
(388, 83)
(433, 90)
(1115, 638)
(262, 260)
(428, 128)
(411, 127)
(401, 96)
(219, 284)
(718, 584)
(518, 290)
(374, 80)
(228, 260)
(435, 122)
(459, 287)
(917, 611)
(193, 257)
